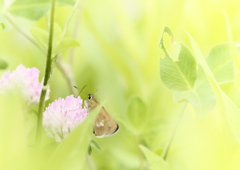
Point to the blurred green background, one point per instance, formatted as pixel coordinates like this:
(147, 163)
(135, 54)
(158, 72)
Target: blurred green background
(119, 57)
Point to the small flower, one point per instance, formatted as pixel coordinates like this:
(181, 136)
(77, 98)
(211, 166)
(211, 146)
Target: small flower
(62, 116)
(24, 79)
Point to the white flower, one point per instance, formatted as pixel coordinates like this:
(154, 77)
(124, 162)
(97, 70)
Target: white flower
(62, 116)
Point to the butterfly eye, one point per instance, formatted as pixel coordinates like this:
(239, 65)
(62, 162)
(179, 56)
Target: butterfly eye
(89, 97)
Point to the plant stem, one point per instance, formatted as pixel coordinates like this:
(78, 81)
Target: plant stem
(48, 71)
(91, 163)
(67, 73)
(62, 66)
(164, 156)
(74, 34)
(70, 16)
(141, 157)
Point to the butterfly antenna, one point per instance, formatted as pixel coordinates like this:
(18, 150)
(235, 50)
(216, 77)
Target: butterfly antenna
(80, 90)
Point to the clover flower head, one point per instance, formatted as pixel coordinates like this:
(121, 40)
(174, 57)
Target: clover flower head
(62, 116)
(24, 79)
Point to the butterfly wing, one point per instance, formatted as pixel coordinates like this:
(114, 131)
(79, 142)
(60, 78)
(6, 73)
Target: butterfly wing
(104, 124)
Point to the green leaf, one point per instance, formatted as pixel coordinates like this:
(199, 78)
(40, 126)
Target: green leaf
(89, 150)
(167, 30)
(200, 59)
(201, 97)
(95, 145)
(59, 43)
(41, 36)
(57, 37)
(71, 152)
(220, 62)
(66, 43)
(154, 161)
(3, 64)
(188, 83)
(137, 113)
(34, 10)
(224, 103)
(29, 9)
(13, 143)
(179, 75)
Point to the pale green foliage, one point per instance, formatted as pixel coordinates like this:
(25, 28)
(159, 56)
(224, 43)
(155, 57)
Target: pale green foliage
(33, 10)
(71, 152)
(201, 96)
(41, 36)
(188, 80)
(220, 62)
(155, 161)
(179, 75)
(232, 114)
(95, 145)
(16, 145)
(226, 106)
(183, 77)
(60, 43)
(137, 114)
(119, 57)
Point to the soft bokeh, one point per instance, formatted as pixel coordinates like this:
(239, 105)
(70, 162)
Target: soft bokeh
(119, 57)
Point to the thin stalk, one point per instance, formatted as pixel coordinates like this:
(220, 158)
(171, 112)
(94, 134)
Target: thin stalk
(48, 71)
(75, 33)
(67, 73)
(141, 157)
(92, 166)
(62, 66)
(70, 17)
(165, 154)
(26, 35)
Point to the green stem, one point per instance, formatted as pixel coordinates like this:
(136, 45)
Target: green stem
(165, 154)
(141, 157)
(92, 166)
(70, 17)
(47, 74)
(75, 32)
(67, 73)
(62, 66)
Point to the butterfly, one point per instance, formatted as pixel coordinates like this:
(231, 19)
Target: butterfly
(104, 124)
